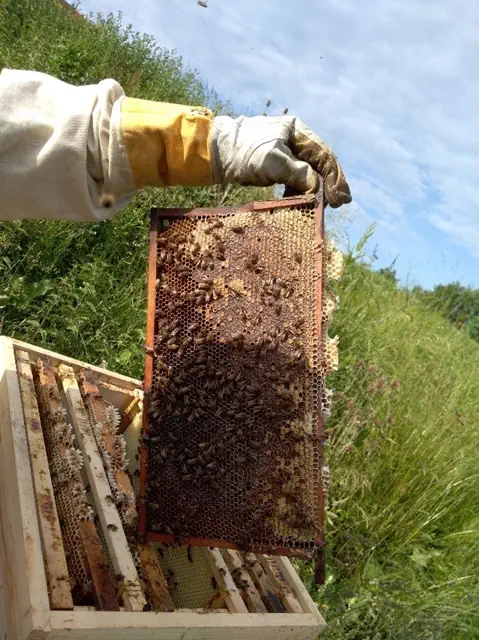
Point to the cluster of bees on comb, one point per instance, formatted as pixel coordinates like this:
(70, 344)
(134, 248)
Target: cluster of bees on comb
(233, 449)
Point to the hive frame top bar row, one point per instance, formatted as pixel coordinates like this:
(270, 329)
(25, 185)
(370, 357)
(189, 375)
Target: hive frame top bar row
(158, 215)
(292, 201)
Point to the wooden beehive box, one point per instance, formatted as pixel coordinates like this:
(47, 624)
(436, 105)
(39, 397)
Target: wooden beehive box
(131, 593)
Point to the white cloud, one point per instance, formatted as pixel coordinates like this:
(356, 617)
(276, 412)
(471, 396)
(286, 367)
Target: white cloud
(392, 86)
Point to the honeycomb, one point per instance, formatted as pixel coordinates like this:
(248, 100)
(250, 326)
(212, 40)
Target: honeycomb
(233, 447)
(115, 460)
(65, 463)
(189, 578)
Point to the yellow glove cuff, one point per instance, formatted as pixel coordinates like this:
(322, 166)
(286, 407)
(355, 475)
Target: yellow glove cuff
(167, 144)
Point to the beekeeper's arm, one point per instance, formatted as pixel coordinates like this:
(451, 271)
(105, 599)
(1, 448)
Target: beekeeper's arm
(62, 146)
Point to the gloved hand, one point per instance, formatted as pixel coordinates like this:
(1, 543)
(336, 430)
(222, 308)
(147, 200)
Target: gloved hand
(201, 149)
(62, 147)
(264, 151)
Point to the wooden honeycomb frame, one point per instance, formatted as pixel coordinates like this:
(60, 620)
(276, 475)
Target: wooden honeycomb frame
(317, 261)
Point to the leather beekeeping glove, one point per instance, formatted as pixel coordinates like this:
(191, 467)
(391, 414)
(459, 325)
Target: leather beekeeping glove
(265, 150)
(63, 147)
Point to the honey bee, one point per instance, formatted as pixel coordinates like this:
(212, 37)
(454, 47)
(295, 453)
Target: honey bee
(112, 527)
(195, 249)
(237, 229)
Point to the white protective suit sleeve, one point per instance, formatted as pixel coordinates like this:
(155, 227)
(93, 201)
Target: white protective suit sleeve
(60, 147)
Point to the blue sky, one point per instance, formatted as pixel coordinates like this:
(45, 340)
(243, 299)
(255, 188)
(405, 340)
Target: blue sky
(391, 85)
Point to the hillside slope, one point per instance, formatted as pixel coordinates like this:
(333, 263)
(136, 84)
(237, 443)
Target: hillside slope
(404, 497)
(403, 546)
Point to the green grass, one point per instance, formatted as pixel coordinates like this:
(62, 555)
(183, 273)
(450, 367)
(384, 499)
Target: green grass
(403, 514)
(403, 517)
